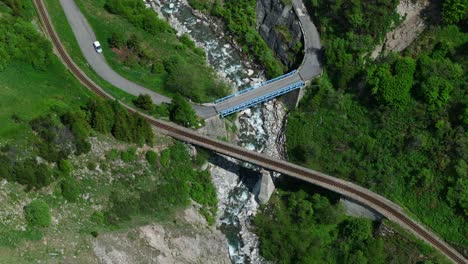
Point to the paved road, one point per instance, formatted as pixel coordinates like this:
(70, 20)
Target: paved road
(85, 36)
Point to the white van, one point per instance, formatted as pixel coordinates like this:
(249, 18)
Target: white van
(97, 46)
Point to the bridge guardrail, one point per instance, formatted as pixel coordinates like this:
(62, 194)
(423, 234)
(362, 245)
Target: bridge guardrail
(261, 99)
(278, 78)
(254, 87)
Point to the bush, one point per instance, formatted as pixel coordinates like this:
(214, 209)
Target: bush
(116, 40)
(98, 217)
(128, 155)
(70, 189)
(151, 157)
(65, 167)
(37, 213)
(24, 42)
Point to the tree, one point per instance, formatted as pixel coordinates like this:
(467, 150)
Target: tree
(121, 129)
(37, 213)
(340, 61)
(142, 131)
(144, 102)
(392, 88)
(357, 229)
(100, 115)
(438, 77)
(457, 194)
(454, 10)
(357, 258)
(182, 113)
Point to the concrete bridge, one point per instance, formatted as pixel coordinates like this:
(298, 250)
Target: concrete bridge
(309, 69)
(364, 196)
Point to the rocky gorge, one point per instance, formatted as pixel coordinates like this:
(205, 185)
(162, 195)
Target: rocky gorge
(259, 129)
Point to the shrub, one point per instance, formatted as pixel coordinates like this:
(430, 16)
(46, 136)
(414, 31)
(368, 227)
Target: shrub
(37, 214)
(116, 40)
(98, 217)
(112, 154)
(70, 189)
(128, 155)
(65, 167)
(151, 157)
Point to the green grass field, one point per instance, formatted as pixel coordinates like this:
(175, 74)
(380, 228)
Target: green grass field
(104, 24)
(27, 93)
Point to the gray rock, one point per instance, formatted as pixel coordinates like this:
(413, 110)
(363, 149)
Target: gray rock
(272, 14)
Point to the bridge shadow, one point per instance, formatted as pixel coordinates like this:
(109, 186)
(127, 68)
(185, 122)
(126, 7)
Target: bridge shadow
(291, 184)
(248, 174)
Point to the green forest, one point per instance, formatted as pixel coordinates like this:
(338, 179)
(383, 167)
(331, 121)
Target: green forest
(398, 124)
(299, 225)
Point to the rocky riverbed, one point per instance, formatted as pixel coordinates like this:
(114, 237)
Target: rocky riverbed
(259, 129)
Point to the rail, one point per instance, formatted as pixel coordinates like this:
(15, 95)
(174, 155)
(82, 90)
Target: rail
(373, 200)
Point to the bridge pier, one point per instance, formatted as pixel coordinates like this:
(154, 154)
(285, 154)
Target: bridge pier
(264, 187)
(292, 99)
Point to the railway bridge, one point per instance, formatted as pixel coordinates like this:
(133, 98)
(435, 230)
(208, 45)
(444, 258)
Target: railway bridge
(364, 196)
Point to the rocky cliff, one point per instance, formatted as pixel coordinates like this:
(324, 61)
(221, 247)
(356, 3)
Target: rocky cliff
(280, 28)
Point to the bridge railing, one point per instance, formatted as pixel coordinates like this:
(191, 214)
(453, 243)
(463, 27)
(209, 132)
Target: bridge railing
(254, 87)
(261, 99)
(278, 78)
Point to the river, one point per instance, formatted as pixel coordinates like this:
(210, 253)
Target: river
(235, 183)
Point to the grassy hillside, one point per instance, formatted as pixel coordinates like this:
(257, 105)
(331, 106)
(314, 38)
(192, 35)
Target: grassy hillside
(66, 157)
(36, 92)
(27, 88)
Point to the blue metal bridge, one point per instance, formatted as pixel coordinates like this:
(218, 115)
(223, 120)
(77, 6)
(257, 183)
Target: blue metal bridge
(259, 93)
(261, 99)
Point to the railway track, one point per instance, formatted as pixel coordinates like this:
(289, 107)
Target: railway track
(380, 204)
